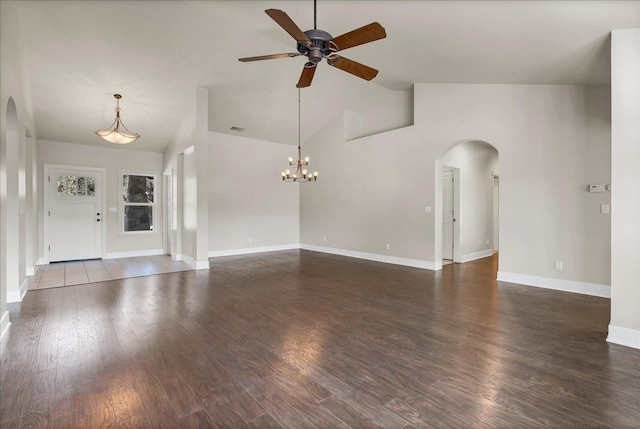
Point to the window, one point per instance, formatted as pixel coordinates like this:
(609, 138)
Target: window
(77, 186)
(138, 202)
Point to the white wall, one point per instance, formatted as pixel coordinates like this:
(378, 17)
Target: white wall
(546, 213)
(477, 163)
(369, 193)
(189, 204)
(372, 191)
(185, 159)
(625, 227)
(249, 205)
(270, 112)
(115, 161)
(16, 251)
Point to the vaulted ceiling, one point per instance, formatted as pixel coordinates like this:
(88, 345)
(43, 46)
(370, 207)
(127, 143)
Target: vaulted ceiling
(156, 53)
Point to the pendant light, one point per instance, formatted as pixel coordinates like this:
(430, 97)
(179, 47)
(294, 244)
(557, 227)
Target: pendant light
(114, 133)
(301, 174)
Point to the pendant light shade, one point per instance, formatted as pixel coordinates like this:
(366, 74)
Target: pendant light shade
(117, 133)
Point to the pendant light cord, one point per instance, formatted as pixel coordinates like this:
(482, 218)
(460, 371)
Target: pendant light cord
(315, 15)
(299, 124)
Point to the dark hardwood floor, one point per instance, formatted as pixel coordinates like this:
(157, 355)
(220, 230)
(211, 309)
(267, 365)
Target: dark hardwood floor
(300, 339)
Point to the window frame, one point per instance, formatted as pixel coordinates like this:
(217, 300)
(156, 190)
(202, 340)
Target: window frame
(153, 205)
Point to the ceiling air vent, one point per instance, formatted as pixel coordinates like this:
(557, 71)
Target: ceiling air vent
(237, 129)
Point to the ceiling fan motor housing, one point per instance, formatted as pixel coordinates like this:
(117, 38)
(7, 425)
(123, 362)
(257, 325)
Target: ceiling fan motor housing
(319, 47)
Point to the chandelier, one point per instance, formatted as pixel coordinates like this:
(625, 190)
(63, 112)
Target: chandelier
(301, 174)
(114, 134)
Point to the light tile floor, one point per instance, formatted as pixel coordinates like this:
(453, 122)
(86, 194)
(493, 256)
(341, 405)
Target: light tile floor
(79, 272)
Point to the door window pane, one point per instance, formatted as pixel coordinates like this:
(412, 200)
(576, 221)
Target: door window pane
(62, 185)
(91, 186)
(138, 218)
(82, 186)
(71, 185)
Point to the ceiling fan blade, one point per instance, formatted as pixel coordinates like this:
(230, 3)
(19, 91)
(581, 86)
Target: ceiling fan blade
(353, 67)
(270, 57)
(360, 36)
(287, 24)
(306, 77)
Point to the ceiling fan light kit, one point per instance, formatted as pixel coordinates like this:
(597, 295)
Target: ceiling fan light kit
(115, 133)
(317, 45)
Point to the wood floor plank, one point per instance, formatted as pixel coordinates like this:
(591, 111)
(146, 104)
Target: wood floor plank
(299, 339)
(197, 420)
(246, 406)
(349, 415)
(182, 398)
(224, 415)
(264, 421)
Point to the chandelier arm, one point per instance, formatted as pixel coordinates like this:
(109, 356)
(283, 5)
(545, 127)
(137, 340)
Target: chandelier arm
(112, 124)
(127, 129)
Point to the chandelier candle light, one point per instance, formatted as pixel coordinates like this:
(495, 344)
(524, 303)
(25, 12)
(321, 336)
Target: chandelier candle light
(114, 134)
(301, 174)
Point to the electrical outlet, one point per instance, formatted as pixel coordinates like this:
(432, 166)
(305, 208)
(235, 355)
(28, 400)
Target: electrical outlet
(324, 239)
(427, 209)
(387, 246)
(487, 241)
(250, 239)
(559, 265)
(604, 208)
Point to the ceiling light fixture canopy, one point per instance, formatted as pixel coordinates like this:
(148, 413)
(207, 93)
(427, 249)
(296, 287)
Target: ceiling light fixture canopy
(301, 174)
(114, 133)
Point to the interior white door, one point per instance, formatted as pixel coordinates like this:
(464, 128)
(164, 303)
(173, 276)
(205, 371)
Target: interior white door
(75, 214)
(447, 214)
(496, 212)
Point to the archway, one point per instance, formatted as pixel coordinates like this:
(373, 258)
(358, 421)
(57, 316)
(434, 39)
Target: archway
(466, 228)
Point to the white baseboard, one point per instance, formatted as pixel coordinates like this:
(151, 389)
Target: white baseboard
(201, 265)
(477, 255)
(17, 295)
(250, 250)
(134, 253)
(41, 261)
(416, 263)
(4, 326)
(31, 271)
(196, 265)
(624, 336)
(593, 289)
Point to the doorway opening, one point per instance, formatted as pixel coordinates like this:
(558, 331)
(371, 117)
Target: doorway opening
(469, 202)
(450, 204)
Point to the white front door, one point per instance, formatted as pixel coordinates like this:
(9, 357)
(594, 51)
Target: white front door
(447, 214)
(75, 214)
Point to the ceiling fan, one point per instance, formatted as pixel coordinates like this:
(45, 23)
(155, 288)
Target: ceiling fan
(318, 44)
